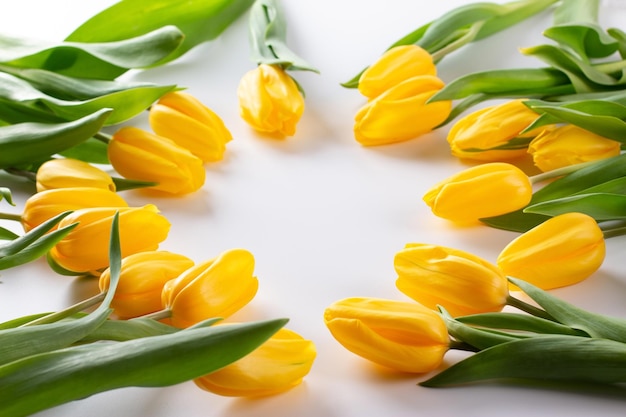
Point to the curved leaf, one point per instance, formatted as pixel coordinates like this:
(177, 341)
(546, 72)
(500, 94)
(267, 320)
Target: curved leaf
(99, 60)
(199, 20)
(600, 206)
(588, 40)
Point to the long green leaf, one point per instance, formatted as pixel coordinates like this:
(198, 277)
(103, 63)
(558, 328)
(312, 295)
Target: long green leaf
(600, 206)
(555, 358)
(46, 380)
(199, 20)
(29, 142)
(31, 237)
(99, 60)
(519, 322)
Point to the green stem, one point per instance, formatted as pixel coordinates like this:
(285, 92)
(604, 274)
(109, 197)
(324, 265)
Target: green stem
(29, 175)
(459, 345)
(613, 231)
(559, 172)
(69, 311)
(11, 216)
(103, 137)
(158, 315)
(528, 308)
(611, 67)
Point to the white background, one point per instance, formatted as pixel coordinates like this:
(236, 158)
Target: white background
(322, 215)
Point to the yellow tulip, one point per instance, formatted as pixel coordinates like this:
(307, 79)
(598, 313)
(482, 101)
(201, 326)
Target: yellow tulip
(394, 66)
(86, 247)
(404, 336)
(561, 251)
(270, 101)
(482, 191)
(401, 112)
(70, 173)
(494, 133)
(215, 288)
(44, 205)
(142, 278)
(140, 155)
(183, 119)
(460, 282)
(568, 145)
(276, 366)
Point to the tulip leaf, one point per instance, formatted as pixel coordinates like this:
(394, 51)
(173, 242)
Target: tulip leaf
(6, 234)
(551, 357)
(268, 38)
(49, 379)
(620, 36)
(125, 103)
(122, 184)
(476, 337)
(5, 194)
(525, 82)
(22, 342)
(600, 206)
(98, 60)
(519, 322)
(92, 150)
(20, 321)
(606, 118)
(199, 21)
(27, 142)
(31, 237)
(595, 325)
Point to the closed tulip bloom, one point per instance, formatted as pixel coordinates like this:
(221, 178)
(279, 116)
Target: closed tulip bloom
(70, 173)
(394, 66)
(561, 251)
(270, 101)
(401, 112)
(494, 133)
(460, 282)
(46, 204)
(215, 288)
(569, 145)
(140, 155)
(183, 119)
(482, 191)
(142, 278)
(276, 366)
(86, 247)
(404, 336)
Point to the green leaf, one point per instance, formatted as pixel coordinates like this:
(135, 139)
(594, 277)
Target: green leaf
(519, 322)
(99, 60)
(29, 142)
(525, 82)
(602, 117)
(555, 358)
(125, 103)
(620, 36)
(5, 194)
(46, 380)
(6, 234)
(92, 150)
(595, 325)
(600, 206)
(199, 20)
(478, 338)
(122, 184)
(31, 237)
(268, 37)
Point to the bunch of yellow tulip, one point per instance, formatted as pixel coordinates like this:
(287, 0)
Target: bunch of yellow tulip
(414, 337)
(170, 287)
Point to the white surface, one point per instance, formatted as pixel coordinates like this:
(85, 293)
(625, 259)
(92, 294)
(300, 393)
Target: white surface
(322, 215)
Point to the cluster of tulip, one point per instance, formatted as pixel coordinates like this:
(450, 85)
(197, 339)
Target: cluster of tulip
(446, 282)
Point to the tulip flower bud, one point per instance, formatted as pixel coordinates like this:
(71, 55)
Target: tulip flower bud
(481, 191)
(569, 145)
(215, 288)
(394, 66)
(561, 251)
(276, 366)
(460, 282)
(183, 119)
(494, 133)
(404, 336)
(140, 155)
(142, 278)
(270, 101)
(86, 247)
(70, 173)
(401, 112)
(45, 205)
